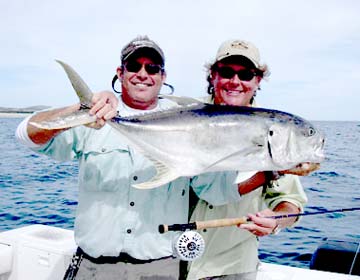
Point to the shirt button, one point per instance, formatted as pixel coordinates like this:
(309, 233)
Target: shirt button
(183, 192)
(135, 178)
(132, 203)
(128, 231)
(211, 207)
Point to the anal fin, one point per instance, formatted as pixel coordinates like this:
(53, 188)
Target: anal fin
(163, 175)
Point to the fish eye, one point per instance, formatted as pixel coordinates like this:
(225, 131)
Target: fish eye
(311, 131)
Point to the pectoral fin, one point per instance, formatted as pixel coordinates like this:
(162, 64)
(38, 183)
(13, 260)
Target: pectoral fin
(242, 153)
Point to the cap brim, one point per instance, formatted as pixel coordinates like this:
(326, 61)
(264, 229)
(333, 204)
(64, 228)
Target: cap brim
(147, 52)
(238, 58)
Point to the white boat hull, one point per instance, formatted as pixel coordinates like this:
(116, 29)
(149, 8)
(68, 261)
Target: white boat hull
(43, 253)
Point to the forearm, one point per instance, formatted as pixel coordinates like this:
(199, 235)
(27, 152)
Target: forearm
(286, 208)
(247, 186)
(42, 136)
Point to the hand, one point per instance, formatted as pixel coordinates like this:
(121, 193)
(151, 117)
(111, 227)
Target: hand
(302, 169)
(261, 226)
(104, 106)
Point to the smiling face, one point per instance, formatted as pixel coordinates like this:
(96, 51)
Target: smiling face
(234, 83)
(140, 88)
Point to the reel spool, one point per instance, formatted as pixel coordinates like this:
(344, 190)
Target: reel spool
(189, 246)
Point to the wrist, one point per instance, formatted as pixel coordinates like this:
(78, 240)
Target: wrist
(276, 230)
(272, 176)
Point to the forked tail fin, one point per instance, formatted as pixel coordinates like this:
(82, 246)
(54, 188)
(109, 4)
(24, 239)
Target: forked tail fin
(81, 88)
(77, 118)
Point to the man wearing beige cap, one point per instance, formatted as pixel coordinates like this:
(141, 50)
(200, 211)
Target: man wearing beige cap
(232, 253)
(116, 225)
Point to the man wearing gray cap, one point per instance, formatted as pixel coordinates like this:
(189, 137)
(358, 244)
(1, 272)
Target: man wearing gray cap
(116, 225)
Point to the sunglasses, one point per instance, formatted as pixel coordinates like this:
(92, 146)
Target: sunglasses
(229, 73)
(151, 69)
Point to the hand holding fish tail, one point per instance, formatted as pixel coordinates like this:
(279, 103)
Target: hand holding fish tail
(42, 136)
(104, 107)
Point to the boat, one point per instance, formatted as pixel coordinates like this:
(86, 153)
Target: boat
(44, 252)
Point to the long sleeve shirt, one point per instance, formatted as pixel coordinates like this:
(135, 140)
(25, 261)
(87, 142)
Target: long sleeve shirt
(114, 217)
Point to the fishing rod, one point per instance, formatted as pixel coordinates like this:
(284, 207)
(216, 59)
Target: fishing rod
(237, 221)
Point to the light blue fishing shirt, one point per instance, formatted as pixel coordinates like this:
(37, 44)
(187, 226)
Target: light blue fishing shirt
(112, 216)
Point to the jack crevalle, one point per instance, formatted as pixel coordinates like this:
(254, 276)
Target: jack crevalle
(195, 138)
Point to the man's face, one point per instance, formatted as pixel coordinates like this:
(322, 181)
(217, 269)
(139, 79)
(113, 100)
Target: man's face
(230, 89)
(141, 81)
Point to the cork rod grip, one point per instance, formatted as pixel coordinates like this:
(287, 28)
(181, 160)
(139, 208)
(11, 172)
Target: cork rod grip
(221, 223)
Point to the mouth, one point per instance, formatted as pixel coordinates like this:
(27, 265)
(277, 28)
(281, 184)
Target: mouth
(234, 92)
(141, 85)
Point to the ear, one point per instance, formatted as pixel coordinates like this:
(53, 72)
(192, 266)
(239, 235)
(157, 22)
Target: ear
(119, 73)
(258, 79)
(163, 77)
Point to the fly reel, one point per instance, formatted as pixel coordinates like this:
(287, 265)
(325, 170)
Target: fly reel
(189, 246)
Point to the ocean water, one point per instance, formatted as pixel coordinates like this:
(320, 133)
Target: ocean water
(35, 189)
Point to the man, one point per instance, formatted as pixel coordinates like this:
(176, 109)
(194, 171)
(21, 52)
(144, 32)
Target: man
(232, 253)
(116, 226)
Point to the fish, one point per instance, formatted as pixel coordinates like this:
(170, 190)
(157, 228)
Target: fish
(193, 137)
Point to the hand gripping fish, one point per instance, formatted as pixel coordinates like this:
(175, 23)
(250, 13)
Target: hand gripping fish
(194, 137)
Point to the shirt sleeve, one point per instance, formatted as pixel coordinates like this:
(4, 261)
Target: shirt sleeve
(288, 188)
(217, 188)
(22, 135)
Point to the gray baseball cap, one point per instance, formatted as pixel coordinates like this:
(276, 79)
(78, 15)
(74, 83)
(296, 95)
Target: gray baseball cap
(143, 45)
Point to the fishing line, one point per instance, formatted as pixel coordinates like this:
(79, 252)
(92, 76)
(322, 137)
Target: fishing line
(236, 221)
(355, 257)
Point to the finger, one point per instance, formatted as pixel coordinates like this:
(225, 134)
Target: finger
(111, 114)
(97, 105)
(106, 111)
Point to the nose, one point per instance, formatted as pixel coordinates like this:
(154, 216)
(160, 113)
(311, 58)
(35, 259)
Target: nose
(142, 72)
(235, 82)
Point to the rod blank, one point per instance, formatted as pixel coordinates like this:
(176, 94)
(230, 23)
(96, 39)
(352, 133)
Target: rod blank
(237, 221)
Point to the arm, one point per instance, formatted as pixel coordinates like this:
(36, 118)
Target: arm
(257, 180)
(104, 107)
(286, 196)
(262, 226)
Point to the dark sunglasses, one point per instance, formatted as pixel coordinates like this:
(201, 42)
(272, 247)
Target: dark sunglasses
(229, 73)
(151, 69)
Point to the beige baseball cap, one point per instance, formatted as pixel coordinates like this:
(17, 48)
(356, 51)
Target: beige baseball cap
(142, 43)
(239, 47)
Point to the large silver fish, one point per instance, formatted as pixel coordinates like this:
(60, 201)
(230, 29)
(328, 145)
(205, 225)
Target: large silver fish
(195, 138)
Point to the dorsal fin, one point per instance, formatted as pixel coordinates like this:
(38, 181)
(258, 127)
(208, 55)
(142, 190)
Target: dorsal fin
(181, 100)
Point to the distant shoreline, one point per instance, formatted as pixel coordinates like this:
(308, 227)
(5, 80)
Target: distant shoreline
(14, 115)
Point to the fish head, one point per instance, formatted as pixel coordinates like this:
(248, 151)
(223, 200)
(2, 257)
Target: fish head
(294, 141)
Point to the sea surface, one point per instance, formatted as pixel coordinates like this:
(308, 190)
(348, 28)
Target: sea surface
(35, 189)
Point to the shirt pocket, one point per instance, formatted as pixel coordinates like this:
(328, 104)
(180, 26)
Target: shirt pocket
(105, 168)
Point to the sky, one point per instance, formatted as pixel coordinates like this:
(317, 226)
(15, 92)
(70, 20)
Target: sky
(311, 46)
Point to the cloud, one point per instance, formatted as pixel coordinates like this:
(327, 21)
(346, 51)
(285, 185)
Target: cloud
(310, 46)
